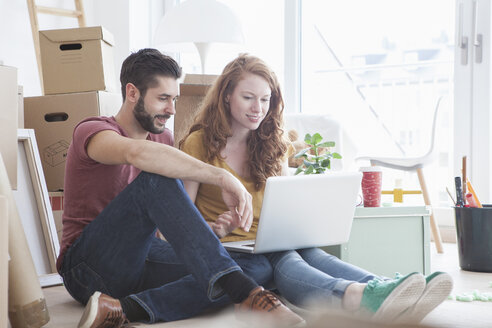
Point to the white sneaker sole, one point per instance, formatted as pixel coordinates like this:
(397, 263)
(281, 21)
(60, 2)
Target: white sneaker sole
(436, 292)
(90, 311)
(401, 298)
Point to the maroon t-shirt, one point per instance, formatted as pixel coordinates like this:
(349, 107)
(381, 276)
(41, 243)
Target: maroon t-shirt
(90, 185)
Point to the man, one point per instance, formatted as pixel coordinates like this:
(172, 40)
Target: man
(121, 183)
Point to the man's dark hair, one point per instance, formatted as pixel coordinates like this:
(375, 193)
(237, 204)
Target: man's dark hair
(142, 67)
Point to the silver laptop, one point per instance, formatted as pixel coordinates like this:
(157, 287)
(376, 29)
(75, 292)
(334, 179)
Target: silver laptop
(304, 211)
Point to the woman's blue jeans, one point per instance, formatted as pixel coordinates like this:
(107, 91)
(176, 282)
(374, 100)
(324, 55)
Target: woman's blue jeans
(312, 275)
(119, 255)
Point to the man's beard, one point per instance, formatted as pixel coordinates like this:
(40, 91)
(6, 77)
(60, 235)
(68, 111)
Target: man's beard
(145, 120)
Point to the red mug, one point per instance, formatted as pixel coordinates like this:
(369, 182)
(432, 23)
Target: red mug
(371, 185)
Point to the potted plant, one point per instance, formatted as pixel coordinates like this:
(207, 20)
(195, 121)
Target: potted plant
(317, 157)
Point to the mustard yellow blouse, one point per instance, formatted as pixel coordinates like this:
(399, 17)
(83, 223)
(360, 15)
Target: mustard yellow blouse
(209, 197)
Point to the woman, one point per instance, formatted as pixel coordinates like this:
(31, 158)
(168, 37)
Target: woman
(239, 128)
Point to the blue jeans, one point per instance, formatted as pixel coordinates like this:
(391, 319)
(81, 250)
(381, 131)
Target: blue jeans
(311, 274)
(119, 255)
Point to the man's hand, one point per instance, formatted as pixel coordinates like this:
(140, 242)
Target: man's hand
(225, 224)
(238, 200)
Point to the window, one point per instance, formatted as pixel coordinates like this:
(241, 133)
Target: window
(379, 67)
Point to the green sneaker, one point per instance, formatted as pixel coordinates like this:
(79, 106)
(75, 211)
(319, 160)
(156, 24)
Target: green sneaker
(387, 299)
(437, 289)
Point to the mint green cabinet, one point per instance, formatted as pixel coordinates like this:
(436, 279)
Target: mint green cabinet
(385, 240)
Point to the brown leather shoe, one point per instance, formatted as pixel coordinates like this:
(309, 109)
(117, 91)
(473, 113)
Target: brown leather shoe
(102, 311)
(265, 307)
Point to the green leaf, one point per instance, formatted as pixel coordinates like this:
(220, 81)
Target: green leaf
(308, 163)
(309, 170)
(316, 138)
(299, 170)
(307, 139)
(314, 162)
(327, 155)
(302, 153)
(325, 163)
(327, 144)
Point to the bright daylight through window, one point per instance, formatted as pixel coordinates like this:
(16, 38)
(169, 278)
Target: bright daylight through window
(379, 67)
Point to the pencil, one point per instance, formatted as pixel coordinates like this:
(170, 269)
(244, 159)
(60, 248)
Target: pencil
(450, 196)
(472, 191)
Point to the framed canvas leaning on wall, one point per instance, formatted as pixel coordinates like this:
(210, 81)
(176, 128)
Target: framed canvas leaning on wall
(34, 209)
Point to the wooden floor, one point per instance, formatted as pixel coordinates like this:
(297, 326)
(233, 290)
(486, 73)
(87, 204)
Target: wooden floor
(65, 312)
(453, 313)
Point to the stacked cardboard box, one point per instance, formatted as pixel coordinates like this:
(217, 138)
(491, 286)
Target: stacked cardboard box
(79, 81)
(4, 256)
(77, 60)
(9, 121)
(192, 91)
(20, 105)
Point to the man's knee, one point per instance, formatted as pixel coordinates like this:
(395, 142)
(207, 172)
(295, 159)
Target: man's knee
(154, 180)
(156, 183)
(256, 267)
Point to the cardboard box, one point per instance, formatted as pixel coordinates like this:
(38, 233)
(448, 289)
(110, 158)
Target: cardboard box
(9, 121)
(192, 91)
(4, 262)
(20, 105)
(77, 60)
(53, 119)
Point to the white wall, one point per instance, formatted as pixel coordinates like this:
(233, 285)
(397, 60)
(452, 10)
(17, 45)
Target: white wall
(16, 45)
(132, 23)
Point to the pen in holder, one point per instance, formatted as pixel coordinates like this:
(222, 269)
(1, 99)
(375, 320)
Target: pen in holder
(459, 192)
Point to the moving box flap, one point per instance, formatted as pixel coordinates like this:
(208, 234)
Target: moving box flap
(79, 34)
(199, 79)
(193, 89)
(196, 84)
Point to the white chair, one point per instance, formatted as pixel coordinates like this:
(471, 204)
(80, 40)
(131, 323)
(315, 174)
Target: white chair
(415, 164)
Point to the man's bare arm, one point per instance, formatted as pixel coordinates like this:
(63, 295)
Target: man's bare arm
(108, 147)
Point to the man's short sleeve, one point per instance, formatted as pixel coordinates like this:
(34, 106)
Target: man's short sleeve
(84, 131)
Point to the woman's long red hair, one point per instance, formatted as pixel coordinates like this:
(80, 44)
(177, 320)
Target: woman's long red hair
(266, 145)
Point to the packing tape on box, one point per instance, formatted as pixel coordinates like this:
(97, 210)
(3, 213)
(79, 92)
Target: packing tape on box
(32, 315)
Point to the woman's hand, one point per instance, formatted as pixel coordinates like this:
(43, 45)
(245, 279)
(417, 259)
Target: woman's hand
(225, 224)
(237, 199)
